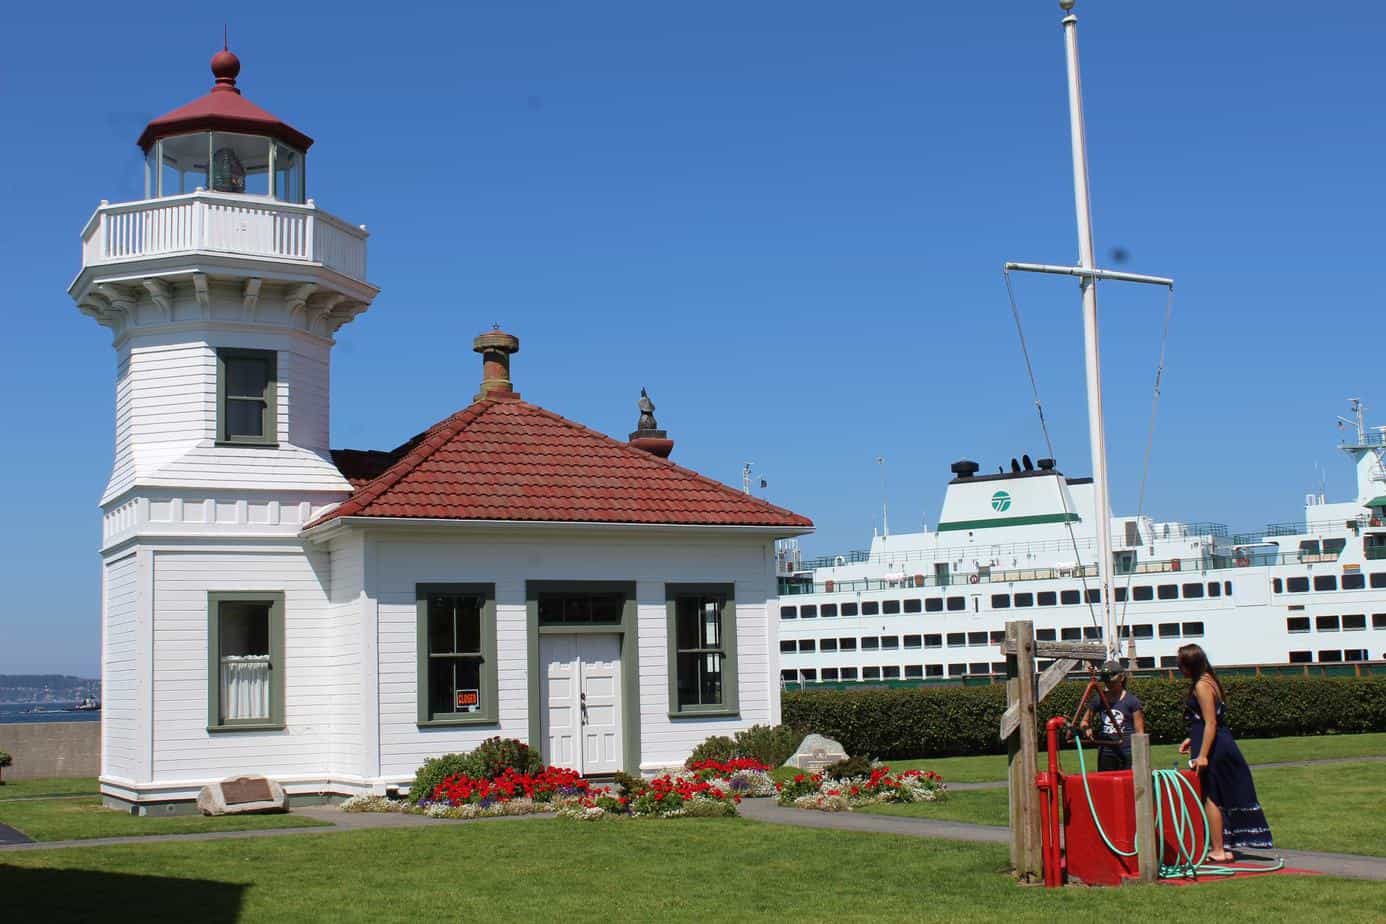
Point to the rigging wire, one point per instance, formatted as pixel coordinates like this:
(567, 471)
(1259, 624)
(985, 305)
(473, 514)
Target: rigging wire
(1049, 444)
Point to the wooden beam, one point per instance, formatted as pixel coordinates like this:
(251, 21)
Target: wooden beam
(1148, 852)
(1081, 651)
(1053, 675)
(1022, 753)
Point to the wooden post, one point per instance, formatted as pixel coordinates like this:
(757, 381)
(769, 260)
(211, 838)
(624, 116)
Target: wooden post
(1021, 756)
(1148, 852)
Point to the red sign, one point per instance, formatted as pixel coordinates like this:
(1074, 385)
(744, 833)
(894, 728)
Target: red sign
(468, 700)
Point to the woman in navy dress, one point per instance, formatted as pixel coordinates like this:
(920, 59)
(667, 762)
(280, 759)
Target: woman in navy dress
(1235, 818)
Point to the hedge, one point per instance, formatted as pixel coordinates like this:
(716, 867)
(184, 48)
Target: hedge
(896, 724)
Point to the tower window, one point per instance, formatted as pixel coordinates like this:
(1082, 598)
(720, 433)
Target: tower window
(246, 411)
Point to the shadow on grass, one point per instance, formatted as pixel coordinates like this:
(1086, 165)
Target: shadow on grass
(76, 894)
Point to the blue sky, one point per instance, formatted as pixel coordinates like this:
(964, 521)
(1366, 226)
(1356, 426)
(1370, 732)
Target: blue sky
(786, 220)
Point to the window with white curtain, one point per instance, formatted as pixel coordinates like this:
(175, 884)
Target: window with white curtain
(245, 660)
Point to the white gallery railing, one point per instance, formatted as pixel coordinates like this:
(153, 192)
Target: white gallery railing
(223, 223)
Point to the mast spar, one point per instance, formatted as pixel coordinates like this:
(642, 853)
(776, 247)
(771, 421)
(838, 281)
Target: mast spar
(1088, 274)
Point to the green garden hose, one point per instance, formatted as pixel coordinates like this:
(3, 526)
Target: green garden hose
(1169, 789)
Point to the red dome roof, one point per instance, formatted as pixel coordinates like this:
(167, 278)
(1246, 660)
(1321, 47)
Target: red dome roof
(223, 109)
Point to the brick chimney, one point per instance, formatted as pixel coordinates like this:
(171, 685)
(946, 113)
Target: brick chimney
(647, 435)
(495, 347)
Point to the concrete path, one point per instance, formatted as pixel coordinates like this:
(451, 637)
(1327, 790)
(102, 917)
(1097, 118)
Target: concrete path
(766, 810)
(1366, 759)
(9, 836)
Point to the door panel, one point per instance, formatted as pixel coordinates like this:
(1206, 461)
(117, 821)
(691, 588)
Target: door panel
(580, 694)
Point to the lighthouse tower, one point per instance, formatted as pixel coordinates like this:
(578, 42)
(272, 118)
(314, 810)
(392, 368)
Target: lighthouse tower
(223, 288)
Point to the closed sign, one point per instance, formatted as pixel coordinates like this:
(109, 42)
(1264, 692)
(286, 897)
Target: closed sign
(468, 700)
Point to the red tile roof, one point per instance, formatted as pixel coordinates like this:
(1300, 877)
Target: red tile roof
(506, 459)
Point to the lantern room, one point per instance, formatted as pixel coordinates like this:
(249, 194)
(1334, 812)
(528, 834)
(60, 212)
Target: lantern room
(222, 142)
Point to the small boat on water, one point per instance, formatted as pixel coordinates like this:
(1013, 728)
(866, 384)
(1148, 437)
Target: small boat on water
(88, 704)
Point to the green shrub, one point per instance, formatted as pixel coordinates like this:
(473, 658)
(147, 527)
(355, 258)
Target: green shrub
(769, 744)
(489, 760)
(852, 766)
(899, 724)
(631, 784)
(718, 747)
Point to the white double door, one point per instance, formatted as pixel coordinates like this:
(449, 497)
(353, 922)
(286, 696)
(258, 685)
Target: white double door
(581, 693)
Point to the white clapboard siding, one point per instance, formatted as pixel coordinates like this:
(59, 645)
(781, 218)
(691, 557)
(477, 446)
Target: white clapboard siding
(347, 735)
(510, 559)
(119, 670)
(183, 748)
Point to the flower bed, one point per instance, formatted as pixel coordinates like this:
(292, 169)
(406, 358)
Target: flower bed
(828, 794)
(744, 776)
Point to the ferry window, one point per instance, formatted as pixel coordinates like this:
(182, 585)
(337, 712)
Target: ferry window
(1354, 581)
(808, 674)
(1301, 657)
(1379, 620)
(1297, 624)
(891, 607)
(1329, 657)
(1355, 654)
(789, 676)
(1379, 579)
(1119, 594)
(1143, 592)
(1193, 630)
(1146, 631)
(976, 638)
(914, 605)
(870, 608)
(1277, 585)
(1000, 601)
(1092, 595)
(957, 639)
(1045, 635)
(828, 610)
(1334, 546)
(827, 644)
(1192, 591)
(1068, 597)
(1169, 661)
(1169, 630)
(890, 642)
(787, 646)
(1354, 621)
(914, 671)
(1297, 585)
(934, 605)
(788, 612)
(870, 673)
(933, 641)
(998, 636)
(1048, 598)
(1123, 631)
(1325, 582)
(847, 644)
(849, 673)
(849, 609)
(1326, 623)
(1092, 632)
(870, 643)
(979, 667)
(1024, 599)
(808, 611)
(1168, 592)
(1227, 588)
(1072, 634)
(829, 673)
(890, 672)
(957, 670)
(998, 667)
(914, 641)
(1214, 589)
(933, 670)
(1145, 663)
(956, 604)
(807, 644)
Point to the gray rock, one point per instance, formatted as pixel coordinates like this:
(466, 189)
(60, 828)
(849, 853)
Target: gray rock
(816, 752)
(243, 795)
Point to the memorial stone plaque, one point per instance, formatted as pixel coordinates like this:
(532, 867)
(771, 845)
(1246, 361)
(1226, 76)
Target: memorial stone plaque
(246, 789)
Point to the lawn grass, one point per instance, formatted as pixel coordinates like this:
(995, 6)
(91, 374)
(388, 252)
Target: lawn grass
(82, 818)
(53, 786)
(551, 869)
(990, 767)
(1335, 807)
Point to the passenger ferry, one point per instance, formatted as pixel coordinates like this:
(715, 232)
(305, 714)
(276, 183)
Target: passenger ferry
(1021, 544)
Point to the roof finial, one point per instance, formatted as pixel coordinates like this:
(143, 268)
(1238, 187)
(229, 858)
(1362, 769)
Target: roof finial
(647, 435)
(225, 37)
(225, 67)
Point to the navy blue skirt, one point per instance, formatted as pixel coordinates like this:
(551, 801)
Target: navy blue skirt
(1227, 783)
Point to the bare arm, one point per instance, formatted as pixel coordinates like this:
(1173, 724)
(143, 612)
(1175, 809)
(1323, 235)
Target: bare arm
(1139, 718)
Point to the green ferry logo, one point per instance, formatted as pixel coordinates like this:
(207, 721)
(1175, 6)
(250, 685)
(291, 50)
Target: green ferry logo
(1000, 502)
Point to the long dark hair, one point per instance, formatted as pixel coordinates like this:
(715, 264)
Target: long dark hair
(1193, 663)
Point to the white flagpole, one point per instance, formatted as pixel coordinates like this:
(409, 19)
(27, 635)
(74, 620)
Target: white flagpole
(1092, 353)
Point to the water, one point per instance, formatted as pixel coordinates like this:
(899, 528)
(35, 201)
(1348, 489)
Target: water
(53, 712)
